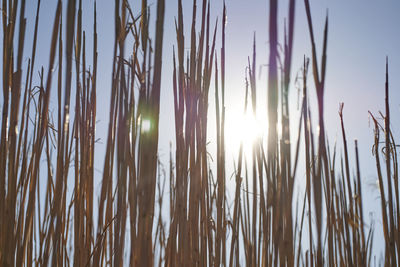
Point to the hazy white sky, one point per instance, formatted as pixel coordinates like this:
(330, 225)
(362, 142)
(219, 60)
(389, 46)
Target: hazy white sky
(361, 34)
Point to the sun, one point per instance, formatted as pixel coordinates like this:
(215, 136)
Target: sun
(245, 128)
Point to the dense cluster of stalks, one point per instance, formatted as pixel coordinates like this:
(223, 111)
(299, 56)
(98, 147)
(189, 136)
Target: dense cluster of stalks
(132, 222)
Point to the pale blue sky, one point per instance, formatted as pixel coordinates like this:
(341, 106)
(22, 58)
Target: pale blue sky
(361, 34)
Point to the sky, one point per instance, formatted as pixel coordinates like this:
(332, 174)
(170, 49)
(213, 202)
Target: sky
(361, 34)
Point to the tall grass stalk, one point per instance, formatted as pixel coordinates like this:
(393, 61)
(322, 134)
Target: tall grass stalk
(179, 213)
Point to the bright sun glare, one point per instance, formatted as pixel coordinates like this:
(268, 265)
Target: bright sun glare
(145, 124)
(246, 128)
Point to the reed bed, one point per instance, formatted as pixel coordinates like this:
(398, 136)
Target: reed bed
(133, 221)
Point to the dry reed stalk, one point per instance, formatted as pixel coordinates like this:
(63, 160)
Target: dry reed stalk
(200, 229)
